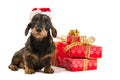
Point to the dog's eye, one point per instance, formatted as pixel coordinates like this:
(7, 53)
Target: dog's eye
(46, 21)
(32, 24)
(35, 20)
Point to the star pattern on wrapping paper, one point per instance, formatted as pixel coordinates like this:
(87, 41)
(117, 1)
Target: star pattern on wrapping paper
(95, 64)
(93, 48)
(97, 52)
(91, 52)
(77, 63)
(79, 51)
(73, 51)
(80, 65)
(90, 64)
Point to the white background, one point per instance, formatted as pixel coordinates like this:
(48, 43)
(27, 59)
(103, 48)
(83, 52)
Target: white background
(99, 18)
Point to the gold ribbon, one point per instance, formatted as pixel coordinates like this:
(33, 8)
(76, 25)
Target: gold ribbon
(88, 42)
(74, 34)
(87, 55)
(63, 38)
(85, 66)
(84, 41)
(72, 45)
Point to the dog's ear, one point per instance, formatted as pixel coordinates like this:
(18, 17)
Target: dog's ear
(54, 31)
(27, 29)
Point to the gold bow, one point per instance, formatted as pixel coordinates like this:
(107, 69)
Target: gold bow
(63, 38)
(83, 41)
(74, 32)
(87, 41)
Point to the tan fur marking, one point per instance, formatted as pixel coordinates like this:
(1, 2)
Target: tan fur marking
(13, 67)
(49, 55)
(48, 70)
(39, 35)
(29, 70)
(35, 56)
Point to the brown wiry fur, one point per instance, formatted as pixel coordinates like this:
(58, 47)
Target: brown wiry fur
(39, 47)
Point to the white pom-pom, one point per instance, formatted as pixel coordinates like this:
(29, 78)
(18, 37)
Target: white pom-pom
(33, 13)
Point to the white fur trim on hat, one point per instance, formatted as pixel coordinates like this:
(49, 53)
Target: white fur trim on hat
(40, 11)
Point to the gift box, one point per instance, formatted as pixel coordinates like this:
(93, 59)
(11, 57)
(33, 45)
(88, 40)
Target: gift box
(84, 48)
(73, 64)
(59, 54)
(73, 36)
(76, 51)
(85, 51)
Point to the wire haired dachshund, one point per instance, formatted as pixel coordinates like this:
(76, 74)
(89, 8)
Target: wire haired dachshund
(39, 46)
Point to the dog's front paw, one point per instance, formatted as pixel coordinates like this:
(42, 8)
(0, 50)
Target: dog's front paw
(13, 67)
(48, 70)
(29, 70)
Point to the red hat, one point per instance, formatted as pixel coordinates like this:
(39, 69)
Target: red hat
(35, 11)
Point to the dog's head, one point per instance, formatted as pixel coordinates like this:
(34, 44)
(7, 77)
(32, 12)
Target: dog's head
(40, 26)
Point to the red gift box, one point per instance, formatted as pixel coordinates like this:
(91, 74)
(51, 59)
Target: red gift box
(74, 52)
(73, 38)
(85, 51)
(80, 64)
(59, 55)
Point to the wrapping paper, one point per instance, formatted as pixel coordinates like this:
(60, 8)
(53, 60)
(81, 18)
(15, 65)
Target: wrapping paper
(73, 64)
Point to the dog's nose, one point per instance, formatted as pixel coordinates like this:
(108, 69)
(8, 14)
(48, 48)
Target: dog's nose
(38, 30)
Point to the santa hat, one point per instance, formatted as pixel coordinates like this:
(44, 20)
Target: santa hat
(35, 11)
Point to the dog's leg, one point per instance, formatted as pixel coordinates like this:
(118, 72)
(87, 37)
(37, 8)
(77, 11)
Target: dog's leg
(47, 65)
(30, 60)
(13, 67)
(16, 63)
